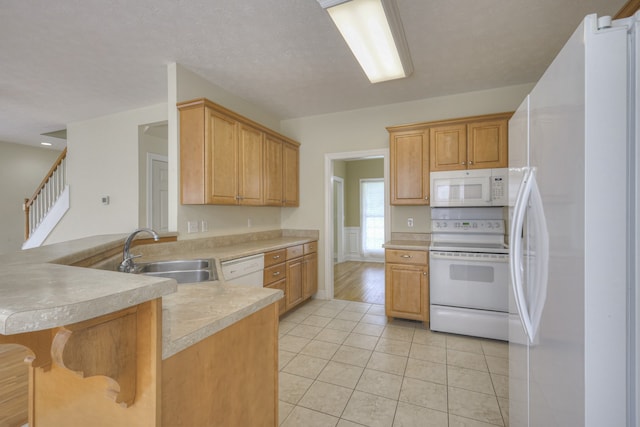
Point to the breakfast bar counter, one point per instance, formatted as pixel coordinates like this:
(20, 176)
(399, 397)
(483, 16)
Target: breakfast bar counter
(112, 348)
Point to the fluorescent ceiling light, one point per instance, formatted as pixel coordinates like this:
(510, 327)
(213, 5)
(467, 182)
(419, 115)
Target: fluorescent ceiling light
(45, 143)
(374, 33)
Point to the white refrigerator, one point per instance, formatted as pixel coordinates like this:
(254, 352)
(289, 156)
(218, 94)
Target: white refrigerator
(573, 185)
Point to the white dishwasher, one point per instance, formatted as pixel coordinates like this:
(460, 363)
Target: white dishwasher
(247, 271)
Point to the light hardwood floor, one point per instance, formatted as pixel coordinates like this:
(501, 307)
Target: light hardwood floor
(14, 385)
(359, 281)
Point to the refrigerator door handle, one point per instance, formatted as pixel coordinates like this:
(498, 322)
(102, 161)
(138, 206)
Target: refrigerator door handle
(515, 243)
(529, 194)
(541, 265)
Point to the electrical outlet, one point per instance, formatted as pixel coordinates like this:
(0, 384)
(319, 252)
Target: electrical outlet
(192, 226)
(249, 222)
(204, 227)
(409, 222)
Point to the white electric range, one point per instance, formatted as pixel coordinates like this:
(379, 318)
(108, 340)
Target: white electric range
(469, 272)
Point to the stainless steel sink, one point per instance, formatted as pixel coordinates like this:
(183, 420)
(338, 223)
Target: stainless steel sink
(183, 271)
(176, 265)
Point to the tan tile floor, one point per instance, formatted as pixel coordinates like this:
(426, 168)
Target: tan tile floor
(343, 364)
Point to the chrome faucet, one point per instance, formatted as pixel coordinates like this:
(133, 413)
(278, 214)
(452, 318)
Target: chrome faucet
(127, 265)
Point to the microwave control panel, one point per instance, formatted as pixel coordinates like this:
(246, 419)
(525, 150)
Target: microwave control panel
(498, 190)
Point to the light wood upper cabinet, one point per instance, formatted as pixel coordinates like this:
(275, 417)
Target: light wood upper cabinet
(250, 166)
(227, 159)
(273, 178)
(448, 147)
(281, 187)
(221, 161)
(291, 174)
(409, 155)
(466, 143)
(487, 144)
(473, 144)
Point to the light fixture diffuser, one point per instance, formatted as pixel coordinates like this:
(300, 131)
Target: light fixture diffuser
(373, 31)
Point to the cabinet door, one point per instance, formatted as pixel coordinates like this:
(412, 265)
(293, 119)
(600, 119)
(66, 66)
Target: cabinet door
(487, 144)
(273, 172)
(407, 291)
(409, 154)
(290, 170)
(448, 147)
(250, 166)
(294, 293)
(221, 159)
(310, 275)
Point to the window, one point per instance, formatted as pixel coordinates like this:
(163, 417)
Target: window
(372, 216)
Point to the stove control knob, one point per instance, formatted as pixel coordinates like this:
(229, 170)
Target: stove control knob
(489, 225)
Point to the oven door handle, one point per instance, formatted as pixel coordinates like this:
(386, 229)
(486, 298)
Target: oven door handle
(529, 194)
(468, 257)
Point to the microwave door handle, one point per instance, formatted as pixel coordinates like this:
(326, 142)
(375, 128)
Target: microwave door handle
(487, 193)
(515, 255)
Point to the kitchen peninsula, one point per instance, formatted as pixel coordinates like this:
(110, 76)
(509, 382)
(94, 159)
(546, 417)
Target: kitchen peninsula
(112, 348)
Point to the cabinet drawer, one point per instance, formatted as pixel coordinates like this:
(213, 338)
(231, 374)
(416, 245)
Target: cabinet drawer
(406, 256)
(295, 251)
(310, 247)
(274, 257)
(274, 273)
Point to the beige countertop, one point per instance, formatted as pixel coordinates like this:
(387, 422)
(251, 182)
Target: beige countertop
(199, 310)
(409, 241)
(37, 293)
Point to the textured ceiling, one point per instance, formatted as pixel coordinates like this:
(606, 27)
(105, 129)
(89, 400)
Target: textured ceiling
(69, 60)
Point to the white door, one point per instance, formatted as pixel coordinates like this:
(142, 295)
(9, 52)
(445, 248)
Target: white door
(338, 218)
(159, 194)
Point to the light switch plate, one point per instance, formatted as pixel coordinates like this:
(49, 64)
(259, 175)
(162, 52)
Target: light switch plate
(192, 226)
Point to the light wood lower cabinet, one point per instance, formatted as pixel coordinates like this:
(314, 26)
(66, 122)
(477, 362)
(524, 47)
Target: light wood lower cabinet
(310, 270)
(407, 284)
(294, 270)
(109, 371)
(294, 293)
(228, 379)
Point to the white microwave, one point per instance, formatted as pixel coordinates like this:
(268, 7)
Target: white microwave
(477, 187)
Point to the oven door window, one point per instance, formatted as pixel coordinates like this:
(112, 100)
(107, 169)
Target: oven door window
(472, 273)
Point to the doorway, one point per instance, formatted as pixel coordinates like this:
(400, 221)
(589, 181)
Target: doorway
(354, 274)
(153, 178)
(157, 192)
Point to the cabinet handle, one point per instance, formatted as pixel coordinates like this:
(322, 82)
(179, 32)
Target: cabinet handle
(470, 162)
(405, 256)
(463, 163)
(427, 199)
(276, 273)
(424, 273)
(276, 256)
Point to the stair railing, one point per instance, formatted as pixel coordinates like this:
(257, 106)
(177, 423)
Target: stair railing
(45, 196)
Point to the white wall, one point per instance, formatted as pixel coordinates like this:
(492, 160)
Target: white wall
(185, 85)
(22, 168)
(364, 129)
(102, 160)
